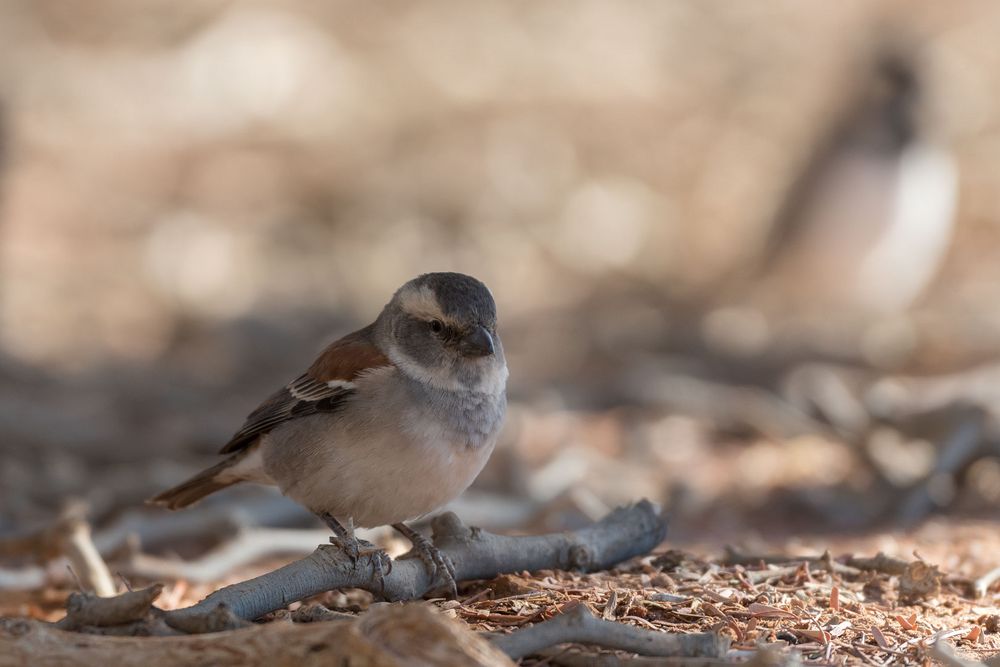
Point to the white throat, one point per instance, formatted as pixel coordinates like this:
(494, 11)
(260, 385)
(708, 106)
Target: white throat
(492, 379)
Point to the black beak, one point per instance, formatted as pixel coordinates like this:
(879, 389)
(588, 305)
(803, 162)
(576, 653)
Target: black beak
(477, 343)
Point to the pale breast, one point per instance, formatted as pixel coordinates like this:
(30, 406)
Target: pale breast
(392, 454)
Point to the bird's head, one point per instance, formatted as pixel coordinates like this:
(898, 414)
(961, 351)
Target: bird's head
(441, 329)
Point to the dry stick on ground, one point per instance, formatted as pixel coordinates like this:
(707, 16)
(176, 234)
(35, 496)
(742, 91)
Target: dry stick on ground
(477, 554)
(317, 613)
(981, 586)
(565, 658)
(70, 536)
(83, 609)
(210, 521)
(250, 543)
(577, 625)
(760, 576)
(390, 635)
(879, 563)
(85, 559)
(824, 562)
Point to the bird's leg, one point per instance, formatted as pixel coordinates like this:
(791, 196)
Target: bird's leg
(342, 537)
(437, 563)
(355, 548)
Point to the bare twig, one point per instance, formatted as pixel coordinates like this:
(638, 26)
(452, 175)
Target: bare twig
(879, 563)
(317, 613)
(733, 556)
(63, 539)
(822, 562)
(217, 619)
(578, 625)
(387, 635)
(760, 576)
(86, 609)
(589, 658)
(981, 586)
(477, 554)
(69, 535)
(86, 561)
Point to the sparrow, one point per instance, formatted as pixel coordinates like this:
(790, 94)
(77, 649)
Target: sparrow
(867, 224)
(388, 424)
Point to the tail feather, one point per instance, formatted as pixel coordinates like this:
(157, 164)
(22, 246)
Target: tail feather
(204, 483)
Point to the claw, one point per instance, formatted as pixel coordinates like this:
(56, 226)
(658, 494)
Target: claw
(350, 546)
(354, 548)
(379, 559)
(438, 565)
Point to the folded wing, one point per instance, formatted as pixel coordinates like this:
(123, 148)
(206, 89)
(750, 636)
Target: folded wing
(323, 388)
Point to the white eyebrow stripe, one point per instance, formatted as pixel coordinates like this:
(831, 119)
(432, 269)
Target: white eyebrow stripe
(421, 302)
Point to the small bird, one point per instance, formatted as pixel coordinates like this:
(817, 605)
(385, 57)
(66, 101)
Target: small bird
(388, 424)
(867, 225)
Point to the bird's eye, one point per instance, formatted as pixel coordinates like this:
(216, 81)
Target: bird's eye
(436, 326)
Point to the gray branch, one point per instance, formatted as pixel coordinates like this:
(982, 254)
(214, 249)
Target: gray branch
(577, 625)
(477, 554)
(84, 609)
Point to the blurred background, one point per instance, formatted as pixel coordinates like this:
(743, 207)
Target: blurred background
(745, 254)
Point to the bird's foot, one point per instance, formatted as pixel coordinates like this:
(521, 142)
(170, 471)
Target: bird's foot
(379, 559)
(438, 565)
(344, 538)
(356, 549)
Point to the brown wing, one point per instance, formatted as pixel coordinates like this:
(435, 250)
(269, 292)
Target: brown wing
(322, 388)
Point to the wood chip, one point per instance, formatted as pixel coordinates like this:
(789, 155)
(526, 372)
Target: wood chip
(712, 610)
(608, 613)
(879, 638)
(839, 628)
(767, 611)
(818, 636)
